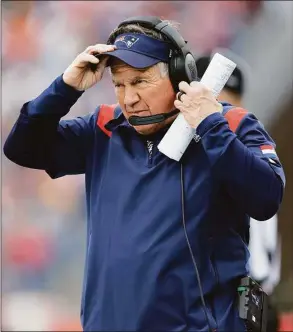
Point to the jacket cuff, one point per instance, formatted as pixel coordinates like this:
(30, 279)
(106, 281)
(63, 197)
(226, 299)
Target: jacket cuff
(56, 100)
(66, 90)
(209, 122)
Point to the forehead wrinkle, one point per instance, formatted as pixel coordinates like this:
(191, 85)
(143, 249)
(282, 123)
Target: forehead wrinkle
(117, 67)
(127, 80)
(136, 73)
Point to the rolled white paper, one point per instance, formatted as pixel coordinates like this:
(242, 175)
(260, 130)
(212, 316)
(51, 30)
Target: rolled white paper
(180, 134)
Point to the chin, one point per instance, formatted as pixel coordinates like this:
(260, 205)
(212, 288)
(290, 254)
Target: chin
(147, 129)
(155, 127)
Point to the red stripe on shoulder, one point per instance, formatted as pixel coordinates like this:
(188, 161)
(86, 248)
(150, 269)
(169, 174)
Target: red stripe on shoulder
(105, 115)
(234, 117)
(266, 147)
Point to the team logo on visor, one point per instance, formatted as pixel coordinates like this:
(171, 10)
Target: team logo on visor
(127, 40)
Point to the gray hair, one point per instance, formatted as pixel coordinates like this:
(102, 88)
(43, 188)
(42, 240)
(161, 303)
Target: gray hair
(137, 28)
(164, 69)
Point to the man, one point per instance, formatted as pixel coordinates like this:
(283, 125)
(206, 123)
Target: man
(264, 242)
(139, 272)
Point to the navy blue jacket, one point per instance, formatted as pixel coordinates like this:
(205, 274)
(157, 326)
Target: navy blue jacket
(139, 273)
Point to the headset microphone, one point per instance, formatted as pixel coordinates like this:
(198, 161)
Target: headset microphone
(135, 120)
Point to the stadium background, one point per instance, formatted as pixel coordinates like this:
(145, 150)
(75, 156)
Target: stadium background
(43, 221)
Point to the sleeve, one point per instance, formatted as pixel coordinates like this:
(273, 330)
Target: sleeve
(245, 161)
(40, 140)
(265, 258)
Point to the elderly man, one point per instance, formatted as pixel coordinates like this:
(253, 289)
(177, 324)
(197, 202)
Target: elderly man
(166, 241)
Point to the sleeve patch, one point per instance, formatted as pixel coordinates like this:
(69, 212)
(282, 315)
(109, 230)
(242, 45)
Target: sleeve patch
(268, 150)
(234, 116)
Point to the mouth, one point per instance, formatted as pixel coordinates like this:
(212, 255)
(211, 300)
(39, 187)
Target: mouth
(139, 113)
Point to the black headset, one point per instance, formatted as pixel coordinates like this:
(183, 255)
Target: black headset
(182, 64)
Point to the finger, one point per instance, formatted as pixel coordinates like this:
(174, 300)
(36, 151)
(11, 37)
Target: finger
(185, 99)
(178, 104)
(199, 88)
(100, 48)
(103, 48)
(85, 58)
(184, 87)
(88, 48)
(194, 83)
(179, 95)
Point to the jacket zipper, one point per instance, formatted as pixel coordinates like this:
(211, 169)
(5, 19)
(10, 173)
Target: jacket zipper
(215, 268)
(216, 274)
(150, 147)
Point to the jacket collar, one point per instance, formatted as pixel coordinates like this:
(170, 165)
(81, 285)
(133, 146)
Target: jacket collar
(118, 120)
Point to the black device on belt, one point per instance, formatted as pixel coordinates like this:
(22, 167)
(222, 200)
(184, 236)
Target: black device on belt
(252, 305)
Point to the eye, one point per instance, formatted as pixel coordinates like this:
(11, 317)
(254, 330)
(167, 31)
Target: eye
(139, 81)
(117, 85)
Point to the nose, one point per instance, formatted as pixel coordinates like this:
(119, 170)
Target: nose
(131, 97)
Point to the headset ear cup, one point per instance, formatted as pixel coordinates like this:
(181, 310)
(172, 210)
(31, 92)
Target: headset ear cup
(190, 67)
(177, 71)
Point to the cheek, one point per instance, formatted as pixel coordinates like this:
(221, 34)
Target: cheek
(165, 95)
(120, 97)
(161, 96)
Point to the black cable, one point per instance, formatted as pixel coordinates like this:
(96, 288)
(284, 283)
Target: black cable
(191, 252)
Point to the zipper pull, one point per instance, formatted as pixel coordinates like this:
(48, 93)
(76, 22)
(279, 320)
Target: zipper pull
(150, 145)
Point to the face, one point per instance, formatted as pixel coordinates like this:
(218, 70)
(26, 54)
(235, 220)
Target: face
(143, 93)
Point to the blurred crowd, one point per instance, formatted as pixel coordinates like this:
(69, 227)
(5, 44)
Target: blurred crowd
(43, 242)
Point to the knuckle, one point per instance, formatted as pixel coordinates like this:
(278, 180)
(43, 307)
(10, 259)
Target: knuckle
(180, 96)
(184, 97)
(95, 48)
(101, 46)
(199, 89)
(80, 56)
(203, 88)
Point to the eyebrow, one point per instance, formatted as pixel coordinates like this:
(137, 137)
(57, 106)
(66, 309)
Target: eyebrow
(135, 78)
(115, 68)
